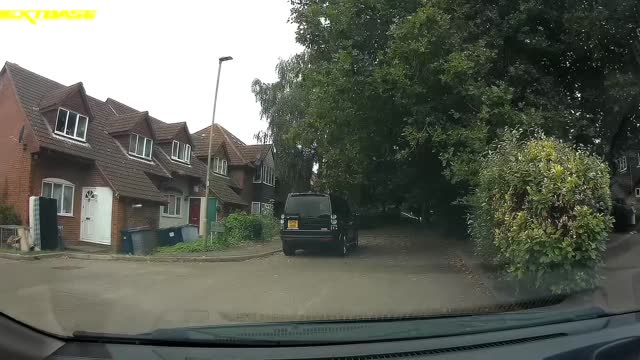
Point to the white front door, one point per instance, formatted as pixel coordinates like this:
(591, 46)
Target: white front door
(96, 215)
(88, 219)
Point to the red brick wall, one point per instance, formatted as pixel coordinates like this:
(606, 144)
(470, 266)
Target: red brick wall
(51, 165)
(15, 158)
(126, 216)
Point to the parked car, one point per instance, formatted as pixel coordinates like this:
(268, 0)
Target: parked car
(312, 220)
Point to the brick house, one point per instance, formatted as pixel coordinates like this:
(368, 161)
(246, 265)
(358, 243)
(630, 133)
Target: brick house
(249, 170)
(109, 166)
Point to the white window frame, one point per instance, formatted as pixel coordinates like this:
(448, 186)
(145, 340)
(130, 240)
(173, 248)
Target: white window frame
(66, 123)
(64, 184)
(622, 164)
(220, 166)
(165, 210)
(255, 204)
(267, 176)
(144, 146)
(175, 152)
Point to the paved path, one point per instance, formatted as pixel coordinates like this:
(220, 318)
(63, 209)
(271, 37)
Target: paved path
(397, 271)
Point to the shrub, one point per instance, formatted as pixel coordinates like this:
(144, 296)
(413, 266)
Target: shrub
(245, 227)
(540, 212)
(270, 227)
(8, 216)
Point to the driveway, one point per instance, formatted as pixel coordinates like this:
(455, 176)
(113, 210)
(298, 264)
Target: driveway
(396, 272)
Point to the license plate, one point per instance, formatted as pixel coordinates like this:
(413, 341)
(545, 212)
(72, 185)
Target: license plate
(292, 224)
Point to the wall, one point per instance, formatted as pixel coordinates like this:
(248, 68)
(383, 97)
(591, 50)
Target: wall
(77, 172)
(264, 193)
(15, 158)
(125, 216)
(182, 184)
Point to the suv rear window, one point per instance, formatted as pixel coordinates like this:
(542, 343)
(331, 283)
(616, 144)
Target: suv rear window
(308, 206)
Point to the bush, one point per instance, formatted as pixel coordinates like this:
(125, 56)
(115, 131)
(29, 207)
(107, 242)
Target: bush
(8, 216)
(270, 227)
(540, 212)
(246, 227)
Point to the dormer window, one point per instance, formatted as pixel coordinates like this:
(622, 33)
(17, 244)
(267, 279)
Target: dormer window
(71, 124)
(220, 166)
(140, 146)
(181, 152)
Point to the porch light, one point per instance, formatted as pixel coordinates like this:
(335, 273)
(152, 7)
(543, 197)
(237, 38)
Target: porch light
(136, 206)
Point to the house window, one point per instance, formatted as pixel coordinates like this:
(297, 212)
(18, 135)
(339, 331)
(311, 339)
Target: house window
(257, 177)
(71, 124)
(268, 176)
(62, 191)
(140, 146)
(220, 166)
(266, 208)
(622, 164)
(174, 207)
(181, 152)
(255, 207)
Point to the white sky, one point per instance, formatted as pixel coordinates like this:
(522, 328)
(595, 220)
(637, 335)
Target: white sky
(160, 56)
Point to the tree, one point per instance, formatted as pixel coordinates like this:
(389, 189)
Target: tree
(398, 98)
(283, 104)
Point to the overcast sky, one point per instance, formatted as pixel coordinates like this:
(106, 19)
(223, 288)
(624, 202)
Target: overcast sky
(160, 56)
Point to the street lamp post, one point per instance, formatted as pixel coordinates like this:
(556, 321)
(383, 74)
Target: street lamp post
(213, 119)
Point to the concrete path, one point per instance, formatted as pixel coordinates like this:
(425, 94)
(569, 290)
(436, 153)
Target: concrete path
(396, 272)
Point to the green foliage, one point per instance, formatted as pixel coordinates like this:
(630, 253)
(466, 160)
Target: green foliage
(394, 98)
(198, 246)
(8, 216)
(247, 227)
(541, 212)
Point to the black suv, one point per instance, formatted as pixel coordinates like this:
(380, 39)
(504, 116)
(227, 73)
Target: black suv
(317, 220)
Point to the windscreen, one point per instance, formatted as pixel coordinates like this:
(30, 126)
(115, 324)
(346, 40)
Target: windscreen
(308, 206)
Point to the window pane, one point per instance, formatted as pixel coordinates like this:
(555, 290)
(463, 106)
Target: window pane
(57, 194)
(147, 147)
(172, 205)
(47, 189)
(67, 200)
(181, 152)
(215, 166)
(256, 177)
(178, 204)
(82, 127)
(71, 124)
(140, 146)
(132, 143)
(164, 209)
(188, 158)
(174, 150)
(62, 120)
